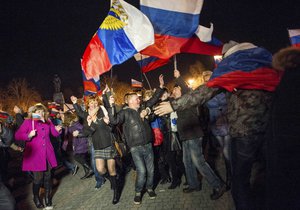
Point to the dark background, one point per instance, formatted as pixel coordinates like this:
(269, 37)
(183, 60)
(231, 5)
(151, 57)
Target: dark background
(42, 38)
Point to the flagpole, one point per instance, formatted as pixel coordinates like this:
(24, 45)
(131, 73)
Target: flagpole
(175, 62)
(147, 81)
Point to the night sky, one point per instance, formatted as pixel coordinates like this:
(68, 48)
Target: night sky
(42, 38)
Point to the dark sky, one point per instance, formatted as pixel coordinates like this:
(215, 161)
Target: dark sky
(41, 38)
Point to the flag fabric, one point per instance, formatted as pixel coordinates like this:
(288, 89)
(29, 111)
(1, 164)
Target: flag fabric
(136, 84)
(203, 42)
(157, 133)
(123, 33)
(294, 37)
(149, 63)
(91, 86)
(246, 69)
(174, 22)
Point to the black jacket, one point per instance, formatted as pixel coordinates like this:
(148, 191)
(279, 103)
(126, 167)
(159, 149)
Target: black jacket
(188, 123)
(100, 132)
(136, 131)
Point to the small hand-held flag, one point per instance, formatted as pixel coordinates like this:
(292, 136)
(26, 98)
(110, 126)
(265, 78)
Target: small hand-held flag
(294, 37)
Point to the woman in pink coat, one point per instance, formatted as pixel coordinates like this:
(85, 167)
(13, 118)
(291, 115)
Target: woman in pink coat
(38, 155)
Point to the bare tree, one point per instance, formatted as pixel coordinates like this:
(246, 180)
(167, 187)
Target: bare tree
(19, 93)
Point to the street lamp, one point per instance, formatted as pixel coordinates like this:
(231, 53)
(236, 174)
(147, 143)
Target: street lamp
(218, 59)
(191, 82)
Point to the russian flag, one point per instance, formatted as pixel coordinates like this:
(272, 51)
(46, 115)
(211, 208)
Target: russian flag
(246, 69)
(294, 37)
(91, 86)
(148, 63)
(158, 135)
(174, 22)
(136, 84)
(123, 33)
(202, 42)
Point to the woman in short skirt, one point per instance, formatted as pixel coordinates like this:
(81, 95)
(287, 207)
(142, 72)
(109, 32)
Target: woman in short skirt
(99, 129)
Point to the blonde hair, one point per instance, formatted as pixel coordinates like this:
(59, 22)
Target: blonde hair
(40, 106)
(92, 98)
(148, 93)
(128, 96)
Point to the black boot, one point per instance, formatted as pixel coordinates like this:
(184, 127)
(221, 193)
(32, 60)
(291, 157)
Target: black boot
(228, 175)
(88, 171)
(108, 177)
(116, 197)
(48, 198)
(175, 183)
(36, 198)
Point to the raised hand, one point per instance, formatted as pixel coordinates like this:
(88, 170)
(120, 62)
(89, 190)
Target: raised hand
(176, 73)
(161, 81)
(163, 108)
(73, 99)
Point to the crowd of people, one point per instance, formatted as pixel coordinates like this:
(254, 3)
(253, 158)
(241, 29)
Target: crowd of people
(167, 134)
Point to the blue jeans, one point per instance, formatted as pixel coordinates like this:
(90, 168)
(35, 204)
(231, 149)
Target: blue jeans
(143, 159)
(98, 177)
(224, 142)
(193, 158)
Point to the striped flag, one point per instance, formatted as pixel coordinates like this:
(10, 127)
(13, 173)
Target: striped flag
(124, 32)
(148, 63)
(136, 84)
(174, 22)
(246, 69)
(294, 37)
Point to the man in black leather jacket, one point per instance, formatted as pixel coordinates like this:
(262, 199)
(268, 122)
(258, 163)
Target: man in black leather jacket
(138, 135)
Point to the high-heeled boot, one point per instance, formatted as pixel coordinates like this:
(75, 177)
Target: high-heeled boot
(88, 171)
(108, 177)
(36, 197)
(116, 197)
(48, 198)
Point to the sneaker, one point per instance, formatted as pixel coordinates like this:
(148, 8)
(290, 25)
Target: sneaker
(137, 198)
(75, 170)
(151, 194)
(218, 192)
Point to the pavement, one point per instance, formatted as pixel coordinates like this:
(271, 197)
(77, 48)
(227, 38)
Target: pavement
(70, 192)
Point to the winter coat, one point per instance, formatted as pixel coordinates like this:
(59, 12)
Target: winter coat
(38, 150)
(248, 110)
(80, 144)
(218, 123)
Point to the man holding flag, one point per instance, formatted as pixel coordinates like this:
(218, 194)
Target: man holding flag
(245, 74)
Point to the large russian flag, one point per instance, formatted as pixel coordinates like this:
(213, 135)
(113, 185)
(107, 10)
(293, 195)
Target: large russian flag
(123, 33)
(246, 69)
(149, 63)
(174, 22)
(295, 37)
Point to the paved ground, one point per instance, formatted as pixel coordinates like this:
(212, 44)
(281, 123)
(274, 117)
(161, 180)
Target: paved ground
(75, 194)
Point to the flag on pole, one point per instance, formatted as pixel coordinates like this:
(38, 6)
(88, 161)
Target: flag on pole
(124, 32)
(148, 63)
(203, 42)
(294, 37)
(246, 69)
(91, 86)
(174, 22)
(136, 84)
